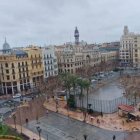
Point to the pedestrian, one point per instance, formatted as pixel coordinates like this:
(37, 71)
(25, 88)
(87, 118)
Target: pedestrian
(114, 137)
(47, 112)
(26, 121)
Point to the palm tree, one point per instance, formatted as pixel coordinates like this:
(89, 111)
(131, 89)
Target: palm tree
(74, 85)
(86, 86)
(81, 83)
(66, 79)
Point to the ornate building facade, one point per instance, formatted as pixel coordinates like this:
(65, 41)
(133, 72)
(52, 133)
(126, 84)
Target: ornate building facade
(130, 49)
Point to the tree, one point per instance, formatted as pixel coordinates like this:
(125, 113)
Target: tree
(131, 86)
(71, 102)
(74, 85)
(81, 84)
(86, 86)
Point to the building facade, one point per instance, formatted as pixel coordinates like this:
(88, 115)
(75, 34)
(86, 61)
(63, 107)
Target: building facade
(49, 61)
(14, 71)
(20, 69)
(130, 49)
(73, 57)
(36, 67)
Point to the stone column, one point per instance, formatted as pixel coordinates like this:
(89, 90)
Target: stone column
(13, 92)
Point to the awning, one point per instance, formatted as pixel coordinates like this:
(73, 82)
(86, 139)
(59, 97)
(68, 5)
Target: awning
(126, 108)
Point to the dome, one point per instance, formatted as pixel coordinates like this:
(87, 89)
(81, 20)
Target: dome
(6, 46)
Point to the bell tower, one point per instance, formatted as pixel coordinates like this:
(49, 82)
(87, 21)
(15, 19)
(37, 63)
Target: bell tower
(76, 35)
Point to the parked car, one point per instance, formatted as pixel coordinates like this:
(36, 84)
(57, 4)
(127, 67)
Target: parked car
(18, 95)
(93, 80)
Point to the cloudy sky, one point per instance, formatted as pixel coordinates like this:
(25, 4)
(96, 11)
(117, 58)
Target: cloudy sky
(42, 22)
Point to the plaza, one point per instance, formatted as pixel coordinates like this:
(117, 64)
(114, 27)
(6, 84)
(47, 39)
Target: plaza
(68, 124)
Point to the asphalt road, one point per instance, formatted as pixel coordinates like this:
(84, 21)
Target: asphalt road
(59, 127)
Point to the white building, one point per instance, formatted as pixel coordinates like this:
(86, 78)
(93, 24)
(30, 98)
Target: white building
(49, 61)
(130, 49)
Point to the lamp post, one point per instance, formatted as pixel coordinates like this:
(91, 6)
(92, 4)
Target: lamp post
(39, 131)
(14, 117)
(56, 101)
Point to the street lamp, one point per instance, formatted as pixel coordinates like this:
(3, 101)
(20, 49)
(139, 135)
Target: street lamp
(85, 137)
(14, 117)
(56, 101)
(39, 131)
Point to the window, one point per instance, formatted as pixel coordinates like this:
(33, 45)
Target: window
(7, 71)
(12, 65)
(13, 76)
(19, 64)
(26, 63)
(6, 65)
(13, 71)
(28, 80)
(20, 76)
(8, 77)
(22, 63)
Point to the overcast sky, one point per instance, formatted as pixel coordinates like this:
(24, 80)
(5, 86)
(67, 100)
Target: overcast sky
(42, 22)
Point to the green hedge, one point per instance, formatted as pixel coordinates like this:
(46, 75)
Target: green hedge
(3, 130)
(9, 137)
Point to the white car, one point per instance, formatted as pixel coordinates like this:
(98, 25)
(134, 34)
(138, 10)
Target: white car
(18, 95)
(93, 80)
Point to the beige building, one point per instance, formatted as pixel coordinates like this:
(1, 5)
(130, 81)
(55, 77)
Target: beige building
(109, 56)
(72, 57)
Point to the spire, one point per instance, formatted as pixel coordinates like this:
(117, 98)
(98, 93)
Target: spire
(6, 46)
(76, 35)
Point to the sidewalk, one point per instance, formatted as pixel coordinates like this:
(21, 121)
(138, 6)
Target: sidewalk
(108, 121)
(27, 132)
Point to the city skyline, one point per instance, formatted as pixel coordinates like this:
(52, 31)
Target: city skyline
(53, 22)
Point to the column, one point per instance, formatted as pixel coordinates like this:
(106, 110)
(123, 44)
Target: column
(6, 89)
(18, 86)
(12, 88)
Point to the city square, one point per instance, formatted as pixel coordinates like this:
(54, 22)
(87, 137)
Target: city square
(69, 70)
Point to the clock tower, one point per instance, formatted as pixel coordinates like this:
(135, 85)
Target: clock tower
(76, 35)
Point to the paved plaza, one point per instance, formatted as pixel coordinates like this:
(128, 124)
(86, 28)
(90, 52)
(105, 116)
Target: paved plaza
(59, 127)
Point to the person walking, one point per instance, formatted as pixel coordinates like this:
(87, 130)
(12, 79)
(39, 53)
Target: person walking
(114, 137)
